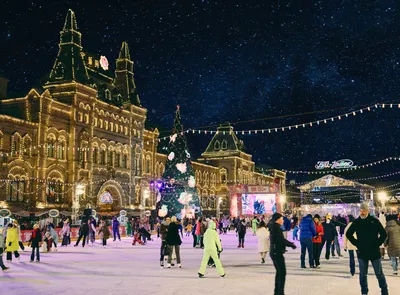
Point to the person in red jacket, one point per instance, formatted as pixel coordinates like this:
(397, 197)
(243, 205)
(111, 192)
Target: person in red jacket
(317, 240)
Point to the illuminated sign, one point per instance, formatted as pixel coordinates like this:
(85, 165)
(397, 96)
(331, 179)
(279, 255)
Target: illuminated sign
(122, 213)
(106, 198)
(340, 164)
(54, 213)
(5, 213)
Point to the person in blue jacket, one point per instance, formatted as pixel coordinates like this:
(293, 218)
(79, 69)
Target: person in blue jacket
(115, 228)
(286, 226)
(307, 232)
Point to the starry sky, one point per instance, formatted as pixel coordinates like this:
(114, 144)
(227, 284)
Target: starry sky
(256, 64)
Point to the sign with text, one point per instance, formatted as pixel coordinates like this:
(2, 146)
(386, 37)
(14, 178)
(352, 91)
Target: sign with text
(339, 164)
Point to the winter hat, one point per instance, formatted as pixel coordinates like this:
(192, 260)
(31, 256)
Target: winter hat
(328, 216)
(276, 216)
(317, 216)
(364, 206)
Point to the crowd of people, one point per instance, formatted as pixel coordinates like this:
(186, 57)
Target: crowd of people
(368, 237)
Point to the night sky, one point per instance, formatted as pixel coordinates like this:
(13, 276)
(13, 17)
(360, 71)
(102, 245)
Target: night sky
(238, 61)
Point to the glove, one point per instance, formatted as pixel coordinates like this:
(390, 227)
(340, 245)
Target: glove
(219, 251)
(293, 246)
(9, 244)
(345, 250)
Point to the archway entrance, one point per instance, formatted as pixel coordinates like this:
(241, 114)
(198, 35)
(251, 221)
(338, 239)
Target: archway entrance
(110, 197)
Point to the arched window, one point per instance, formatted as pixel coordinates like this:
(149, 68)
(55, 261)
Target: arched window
(110, 158)
(16, 190)
(106, 125)
(61, 146)
(54, 191)
(111, 126)
(108, 94)
(87, 118)
(16, 144)
(27, 145)
(80, 117)
(118, 159)
(101, 123)
(224, 145)
(51, 146)
(103, 156)
(125, 161)
(95, 155)
(217, 145)
(148, 164)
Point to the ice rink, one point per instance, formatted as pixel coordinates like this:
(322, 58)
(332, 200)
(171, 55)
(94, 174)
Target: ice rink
(125, 269)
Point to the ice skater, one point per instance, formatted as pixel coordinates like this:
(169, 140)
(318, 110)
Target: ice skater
(35, 243)
(263, 240)
(115, 227)
(12, 242)
(104, 233)
(3, 267)
(212, 247)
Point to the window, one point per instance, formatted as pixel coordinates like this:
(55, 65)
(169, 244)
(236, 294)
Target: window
(80, 117)
(111, 126)
(51, 147)
(106, 125)
(126, 130)
(110, 158)
(95, 155)
(103, 157)
(125, 161)
(86, 118)
(224, 145)
(54, 191)
(95, 121)
(108, 94)
(117, 159)
(148, 164)
(15, 144)
(83, 155)
(60, 149)
(217, 145)
(16, 190)
(101, 123)
(27, 146)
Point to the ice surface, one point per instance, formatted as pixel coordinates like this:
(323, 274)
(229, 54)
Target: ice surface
(125, 269)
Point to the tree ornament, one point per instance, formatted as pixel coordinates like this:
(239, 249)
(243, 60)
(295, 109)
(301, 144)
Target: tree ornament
(163, 211)
(181, 167)
(171, 156)
(191, 181)
(187, 154)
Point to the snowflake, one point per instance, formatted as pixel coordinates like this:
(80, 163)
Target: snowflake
(192, 181)
(181, 167)
(173, 138)
(171, 156)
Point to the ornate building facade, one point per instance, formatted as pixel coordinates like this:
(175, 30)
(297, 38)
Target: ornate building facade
(80, 142)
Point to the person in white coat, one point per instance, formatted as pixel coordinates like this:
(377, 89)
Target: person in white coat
(348, 246)
(263, 240)
(382, 219)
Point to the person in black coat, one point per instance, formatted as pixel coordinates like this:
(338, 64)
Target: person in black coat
(329, 235)
(83, 233)
(277, 249)
(370, 236)
(174, 241)
(35, 242)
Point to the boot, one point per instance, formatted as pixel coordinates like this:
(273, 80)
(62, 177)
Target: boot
(239, 245)
(242, 245)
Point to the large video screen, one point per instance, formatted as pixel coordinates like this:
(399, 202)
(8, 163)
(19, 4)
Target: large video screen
(258, 203)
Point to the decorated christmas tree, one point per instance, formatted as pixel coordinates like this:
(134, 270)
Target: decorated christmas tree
(178, 196)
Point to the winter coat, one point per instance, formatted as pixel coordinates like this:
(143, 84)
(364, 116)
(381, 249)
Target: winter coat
(12, 240)
(84, 229)
(104, 232)
(211, 239)
(173, 237)
(115, 224)
(263, 239)
(319, 229)
(36, 238)
(307, 228)
(203, 228)
(277, 241)
(346, 243)
(329, 231)
(370, 235)
(54, 235)
(241, 228)
(393, 239)
(66, 229)
(198, 228)
(254, 223)
(287, 225)
(163, 230)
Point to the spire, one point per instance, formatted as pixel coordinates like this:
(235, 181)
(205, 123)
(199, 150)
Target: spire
(69, 64)
(124, 80)
(178, 128)
(70, 21)
(124, 53)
